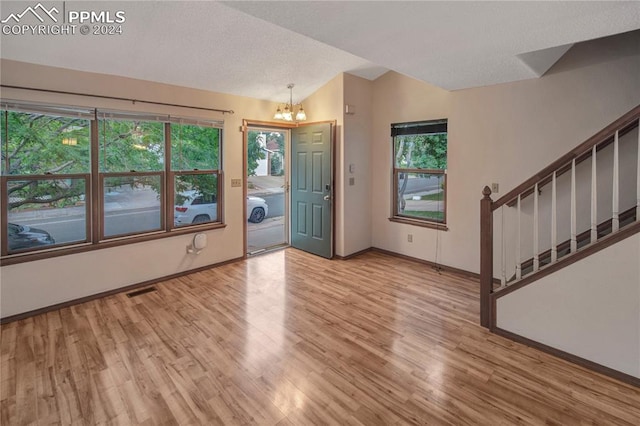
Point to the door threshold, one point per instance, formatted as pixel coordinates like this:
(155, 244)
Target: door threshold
(268, 249)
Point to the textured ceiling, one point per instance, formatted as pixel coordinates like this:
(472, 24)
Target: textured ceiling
(204, 45)
(452, 44)
(255, 48)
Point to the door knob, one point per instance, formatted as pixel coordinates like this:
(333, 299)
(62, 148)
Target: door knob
(327, 197)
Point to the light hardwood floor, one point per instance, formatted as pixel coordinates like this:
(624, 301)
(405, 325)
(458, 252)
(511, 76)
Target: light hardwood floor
(292, 339)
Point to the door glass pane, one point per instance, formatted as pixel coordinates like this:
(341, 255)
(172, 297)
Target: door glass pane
(131, 205)
(267, 222)
(45, 212)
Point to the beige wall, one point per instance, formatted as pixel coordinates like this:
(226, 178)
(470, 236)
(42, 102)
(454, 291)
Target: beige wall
(502, 134)
(590, 308)
(398, 99)
(33, 285)
(356, 153)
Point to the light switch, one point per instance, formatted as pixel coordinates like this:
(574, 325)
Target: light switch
(352, 181)
(352, 168)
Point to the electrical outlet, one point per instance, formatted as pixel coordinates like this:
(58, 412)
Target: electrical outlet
(410, 238)
(236, 183)
(494, 188)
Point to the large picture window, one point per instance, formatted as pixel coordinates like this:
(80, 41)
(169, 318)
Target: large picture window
(75, 177)
(419, 172)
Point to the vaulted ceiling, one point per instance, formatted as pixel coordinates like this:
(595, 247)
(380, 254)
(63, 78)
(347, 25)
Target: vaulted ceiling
(255, 48)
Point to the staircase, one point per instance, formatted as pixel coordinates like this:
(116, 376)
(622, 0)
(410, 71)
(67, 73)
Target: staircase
(583, 239)
(586, 201)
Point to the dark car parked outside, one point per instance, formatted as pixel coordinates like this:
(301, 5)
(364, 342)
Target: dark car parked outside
(24, 237)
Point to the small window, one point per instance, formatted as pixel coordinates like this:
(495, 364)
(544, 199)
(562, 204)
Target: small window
(419, 171)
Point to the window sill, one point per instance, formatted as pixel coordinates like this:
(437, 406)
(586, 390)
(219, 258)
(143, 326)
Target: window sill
(418, 222)
(14, 259)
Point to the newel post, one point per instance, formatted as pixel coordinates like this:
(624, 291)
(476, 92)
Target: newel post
(486, 257)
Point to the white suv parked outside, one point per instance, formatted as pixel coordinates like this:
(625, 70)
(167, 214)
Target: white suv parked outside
(201, 208)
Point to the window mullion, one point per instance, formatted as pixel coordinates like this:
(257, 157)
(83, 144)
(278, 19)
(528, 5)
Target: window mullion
(4, 193)
(219, 181)
(95, 220)
(168, 179)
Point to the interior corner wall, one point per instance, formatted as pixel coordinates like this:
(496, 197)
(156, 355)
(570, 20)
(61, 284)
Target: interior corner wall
(503, 134)
(356, 167)
(37, 284)
(325, 104)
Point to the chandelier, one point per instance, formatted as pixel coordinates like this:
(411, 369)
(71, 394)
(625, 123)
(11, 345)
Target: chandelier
(286, 114)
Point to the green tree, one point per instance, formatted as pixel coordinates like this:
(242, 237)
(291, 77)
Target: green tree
(421, 151)
(37, 144)
(275, 142)
(127, 146)
(194, 147)
(255, 151)
(257, 142)
(205, 184)
(427, 151)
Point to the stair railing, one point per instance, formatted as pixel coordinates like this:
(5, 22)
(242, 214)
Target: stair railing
(549, 176)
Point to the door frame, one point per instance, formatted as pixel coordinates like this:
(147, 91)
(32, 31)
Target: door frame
(278, 125)
(246, 126)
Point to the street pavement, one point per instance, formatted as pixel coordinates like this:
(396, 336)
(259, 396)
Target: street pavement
(262, 185)
(270, 232)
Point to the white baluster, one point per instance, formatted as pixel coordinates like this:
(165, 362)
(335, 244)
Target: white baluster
(554, 221)
(518, 264)
(615, 220)
(574, 242)
(503, 279)
(594, 198)
(536, 258)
